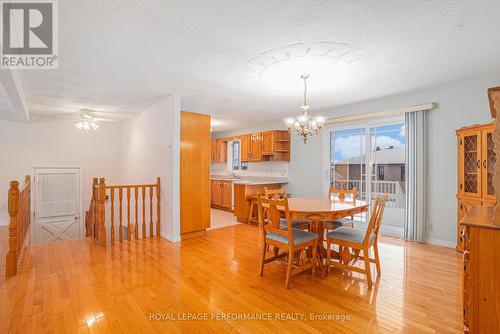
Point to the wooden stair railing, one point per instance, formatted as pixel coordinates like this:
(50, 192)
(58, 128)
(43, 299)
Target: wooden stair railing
(19, 207)
(95, 218)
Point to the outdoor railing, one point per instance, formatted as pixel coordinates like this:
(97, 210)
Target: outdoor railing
(394, 189)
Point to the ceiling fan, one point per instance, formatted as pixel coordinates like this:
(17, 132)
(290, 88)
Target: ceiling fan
(88, 119)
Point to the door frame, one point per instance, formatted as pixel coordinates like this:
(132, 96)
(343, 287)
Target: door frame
(81, 224)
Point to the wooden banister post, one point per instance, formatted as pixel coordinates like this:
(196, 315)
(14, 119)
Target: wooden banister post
(102, 212)
(95, 208)
(158, 206)
(13, 208)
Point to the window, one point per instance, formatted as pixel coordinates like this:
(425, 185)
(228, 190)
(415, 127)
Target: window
(236, 154)
(381, 173)
(403, 173)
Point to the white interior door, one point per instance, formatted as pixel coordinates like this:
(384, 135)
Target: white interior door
(57, 204)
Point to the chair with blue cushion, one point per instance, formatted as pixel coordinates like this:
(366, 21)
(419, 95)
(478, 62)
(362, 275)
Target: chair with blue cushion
(342, 195)
(281, 193)
(353, 241)
(289, 240)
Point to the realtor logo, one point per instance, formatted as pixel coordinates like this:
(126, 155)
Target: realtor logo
(29, 34)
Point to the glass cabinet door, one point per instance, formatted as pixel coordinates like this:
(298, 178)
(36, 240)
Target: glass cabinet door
(488, 163)
(471, 163)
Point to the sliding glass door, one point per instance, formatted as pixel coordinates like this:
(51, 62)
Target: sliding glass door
(371, 157)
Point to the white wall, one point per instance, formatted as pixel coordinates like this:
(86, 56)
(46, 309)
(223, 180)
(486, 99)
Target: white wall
(461, 103)
(57, 143)
(151, 148)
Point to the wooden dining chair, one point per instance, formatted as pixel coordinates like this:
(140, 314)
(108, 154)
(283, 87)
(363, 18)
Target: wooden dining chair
(281, 193)
(278, 193)
(289, 241)
(358, 241)
(341, 194)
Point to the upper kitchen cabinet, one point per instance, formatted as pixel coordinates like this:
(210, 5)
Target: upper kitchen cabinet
(219, 151)
(245, 148)
(256, 147)
(276, 146)
(267, 143)
(263, 146)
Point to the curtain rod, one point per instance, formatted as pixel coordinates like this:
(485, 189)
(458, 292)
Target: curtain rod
(392, 112)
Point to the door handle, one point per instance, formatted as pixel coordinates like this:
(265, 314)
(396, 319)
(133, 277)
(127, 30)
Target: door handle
(77, 217)
(478, 164)
(484, 164)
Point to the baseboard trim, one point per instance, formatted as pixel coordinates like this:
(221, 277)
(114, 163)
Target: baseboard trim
(444, 243)
(193, 234)
(170, 237)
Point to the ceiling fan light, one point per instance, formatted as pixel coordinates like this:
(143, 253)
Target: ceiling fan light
(87, 122)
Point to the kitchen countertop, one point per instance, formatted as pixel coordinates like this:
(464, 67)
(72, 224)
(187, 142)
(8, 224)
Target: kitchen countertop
(252, 180)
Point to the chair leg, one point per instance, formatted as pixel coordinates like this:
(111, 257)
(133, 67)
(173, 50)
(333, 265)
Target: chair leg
(263, 257)
(377, 259)
(366, 256)
(328, 256)
(289, 269)
(314, 250)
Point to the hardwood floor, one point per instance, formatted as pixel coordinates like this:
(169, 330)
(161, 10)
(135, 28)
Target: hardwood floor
(3, 250)
(75, 286)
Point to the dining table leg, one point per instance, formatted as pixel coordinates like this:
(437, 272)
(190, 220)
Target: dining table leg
(318, 228)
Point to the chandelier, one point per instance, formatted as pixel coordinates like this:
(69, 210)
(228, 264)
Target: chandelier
(304, 125)
(87, 122)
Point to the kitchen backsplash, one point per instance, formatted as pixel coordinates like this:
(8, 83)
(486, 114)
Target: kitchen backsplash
(267, 169)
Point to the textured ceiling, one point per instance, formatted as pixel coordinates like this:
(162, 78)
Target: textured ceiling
(241, 60)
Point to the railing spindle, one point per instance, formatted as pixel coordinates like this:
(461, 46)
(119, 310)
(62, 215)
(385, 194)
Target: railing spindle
(144, 212)
(129, 226)
(102, 212)
(151, 230)
(136, 229)
(158, 206)
(112, 215)
(120, 197)
(95, 185)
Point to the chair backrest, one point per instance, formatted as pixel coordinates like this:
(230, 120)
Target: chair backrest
(376, 217)
(341, 193)
(270, 213)
(275, 193)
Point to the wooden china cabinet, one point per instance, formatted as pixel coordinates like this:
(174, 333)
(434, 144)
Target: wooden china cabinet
(476, 158)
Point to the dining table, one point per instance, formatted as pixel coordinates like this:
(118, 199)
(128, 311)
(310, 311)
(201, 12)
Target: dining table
(317, 210)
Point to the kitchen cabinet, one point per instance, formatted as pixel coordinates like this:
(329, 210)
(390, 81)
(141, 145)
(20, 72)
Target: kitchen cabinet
(227, 195)
(216, 193)
(218, 149)
(222, 194)
(267, 143)
(213, 151)
(255, 147)
(264, 146)
(245, 148)
(222, 150)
